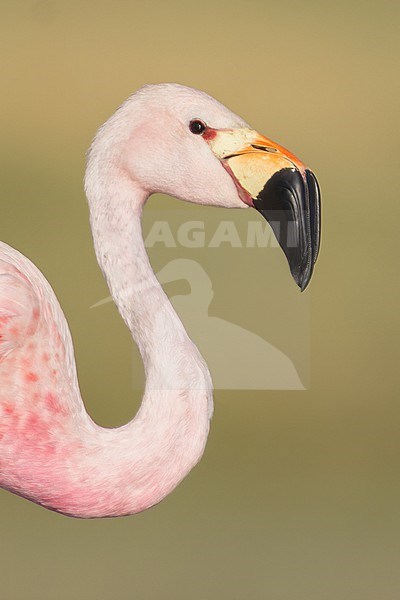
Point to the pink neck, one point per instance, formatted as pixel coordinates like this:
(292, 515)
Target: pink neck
(133, 467)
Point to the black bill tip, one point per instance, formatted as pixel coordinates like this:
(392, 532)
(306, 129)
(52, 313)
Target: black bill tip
(291, 205)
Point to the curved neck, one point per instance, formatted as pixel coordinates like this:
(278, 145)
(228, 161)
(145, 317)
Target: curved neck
(144, 460)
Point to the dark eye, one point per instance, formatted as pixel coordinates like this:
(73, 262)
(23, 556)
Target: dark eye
(197, 126)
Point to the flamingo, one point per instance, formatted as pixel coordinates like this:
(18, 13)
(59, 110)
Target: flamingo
(164, 138)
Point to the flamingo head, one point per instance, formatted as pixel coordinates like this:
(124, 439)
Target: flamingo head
(182, 142)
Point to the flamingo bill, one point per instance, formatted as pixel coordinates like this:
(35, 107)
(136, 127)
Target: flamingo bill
(271, 179)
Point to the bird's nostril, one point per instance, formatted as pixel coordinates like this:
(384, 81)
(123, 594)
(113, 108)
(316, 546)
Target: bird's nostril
(265, 148)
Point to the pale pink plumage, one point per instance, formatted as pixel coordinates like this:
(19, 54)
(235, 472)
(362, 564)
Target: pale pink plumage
(51, 451)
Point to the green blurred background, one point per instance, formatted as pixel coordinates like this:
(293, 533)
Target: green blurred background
(297, 496)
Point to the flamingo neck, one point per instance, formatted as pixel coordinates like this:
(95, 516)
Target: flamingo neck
(144, 460)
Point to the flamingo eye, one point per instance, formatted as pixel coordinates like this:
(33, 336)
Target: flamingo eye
(197, 126)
